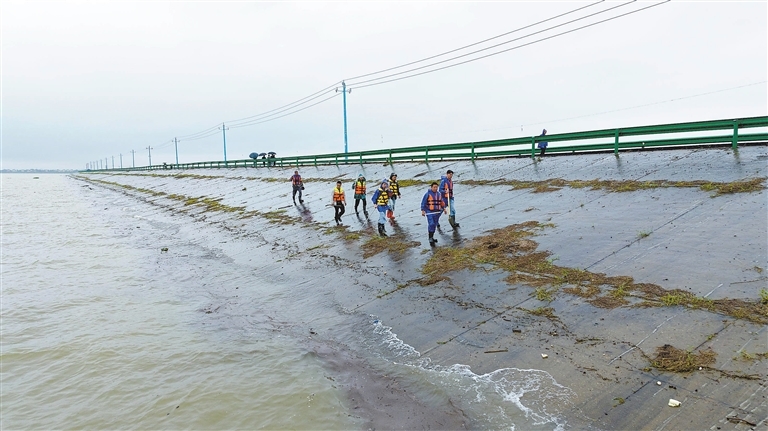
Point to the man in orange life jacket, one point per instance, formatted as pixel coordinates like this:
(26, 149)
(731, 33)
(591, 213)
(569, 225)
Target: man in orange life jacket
(298, 186)
(381, 202)
(338, 201)
(359, 188)
(432, 206)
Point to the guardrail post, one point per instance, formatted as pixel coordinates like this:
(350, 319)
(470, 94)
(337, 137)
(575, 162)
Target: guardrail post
(315, 161)
(616, 142)
(426, 155)
(533, 147)
(390, 157)
(735, 142)
(337, 160)
(473, 152)
(361, 158)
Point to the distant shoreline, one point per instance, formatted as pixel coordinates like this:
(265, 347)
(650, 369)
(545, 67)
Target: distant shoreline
(37, 171)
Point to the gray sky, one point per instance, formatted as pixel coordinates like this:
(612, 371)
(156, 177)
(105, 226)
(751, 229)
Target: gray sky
(83, 81)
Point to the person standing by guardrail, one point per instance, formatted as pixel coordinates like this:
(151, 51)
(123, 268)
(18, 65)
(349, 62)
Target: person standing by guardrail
(543, 145)
(446, 189)
(298, 186)
(432, 206)
(359, 188)
(381, 203)
(339, 201)
(394, 195)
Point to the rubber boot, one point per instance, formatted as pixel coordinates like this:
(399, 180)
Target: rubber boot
(432, 239)
(382, 232)
(452, 221)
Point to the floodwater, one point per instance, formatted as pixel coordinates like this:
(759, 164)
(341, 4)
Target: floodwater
(119, 314)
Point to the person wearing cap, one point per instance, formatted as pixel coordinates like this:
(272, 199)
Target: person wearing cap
(432, 206)
(359, 188)
(298, 186)
(446, 188)
(394, 194)
(339, 201)
(381, 203)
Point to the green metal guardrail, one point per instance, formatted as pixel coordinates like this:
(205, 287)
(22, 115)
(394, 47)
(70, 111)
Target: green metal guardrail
(607, 139)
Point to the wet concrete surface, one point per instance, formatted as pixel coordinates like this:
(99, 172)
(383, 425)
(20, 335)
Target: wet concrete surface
(678, 238)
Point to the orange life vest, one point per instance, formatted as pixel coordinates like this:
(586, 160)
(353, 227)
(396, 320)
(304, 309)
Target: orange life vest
(359, 187)
(338, 194)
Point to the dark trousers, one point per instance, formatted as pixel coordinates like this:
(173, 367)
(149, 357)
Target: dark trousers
(432, 221)
(296, 189)
(339, 208)
(357, 202)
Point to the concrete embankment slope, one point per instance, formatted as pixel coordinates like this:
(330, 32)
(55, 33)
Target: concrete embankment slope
(642, 278)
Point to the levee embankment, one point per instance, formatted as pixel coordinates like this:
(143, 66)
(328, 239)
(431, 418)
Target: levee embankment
(632, 280)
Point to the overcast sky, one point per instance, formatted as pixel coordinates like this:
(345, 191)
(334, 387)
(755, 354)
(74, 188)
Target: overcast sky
(83, 81)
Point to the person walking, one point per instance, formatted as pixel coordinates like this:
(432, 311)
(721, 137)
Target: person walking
(339, 201)
(298, 186)
(543, 145)
(446, 189)
(359, 188)
(432, 206)
(394, 194)
(381, 203)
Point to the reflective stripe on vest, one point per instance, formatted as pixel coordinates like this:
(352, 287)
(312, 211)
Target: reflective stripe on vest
(338, 194)
(394, 187)
(359, 187)
(434, 201)
(383, 197)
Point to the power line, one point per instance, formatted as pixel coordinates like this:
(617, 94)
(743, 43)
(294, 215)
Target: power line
(499, 52)
(644, 105)
(302, 100)
(256, 119)
(476, 43)
(290, 113)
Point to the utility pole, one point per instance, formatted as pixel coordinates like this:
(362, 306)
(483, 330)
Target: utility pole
(176, 144)
(121, 161)
(224, 129)
(106, 162)
(133, 155)
(113, 162)
(150, 155)
(344, 97)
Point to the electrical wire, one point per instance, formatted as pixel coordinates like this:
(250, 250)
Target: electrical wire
(310, 97)
(277, 112)
(285, 115)
(643, 106)
(498, 52)
(476, 43)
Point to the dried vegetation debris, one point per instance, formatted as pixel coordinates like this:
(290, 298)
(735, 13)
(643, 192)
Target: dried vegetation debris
(670, 358)
(511, 249)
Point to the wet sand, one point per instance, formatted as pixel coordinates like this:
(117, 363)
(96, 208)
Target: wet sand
(713, 246)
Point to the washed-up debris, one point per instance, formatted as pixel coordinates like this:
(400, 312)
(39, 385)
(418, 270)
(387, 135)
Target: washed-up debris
(164, 249)
(517, 331)
(737, 420)
(496, 351)
(544, 356)
(673, 403)
(658, 383)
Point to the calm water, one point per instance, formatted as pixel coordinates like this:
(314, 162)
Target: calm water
(102, 330)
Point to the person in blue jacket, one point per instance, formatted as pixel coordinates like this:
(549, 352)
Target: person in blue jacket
(381, 203)
(432, 206)
(543, 145)
(446, 189)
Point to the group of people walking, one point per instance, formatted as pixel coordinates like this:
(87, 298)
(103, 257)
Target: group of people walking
(436, 201)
